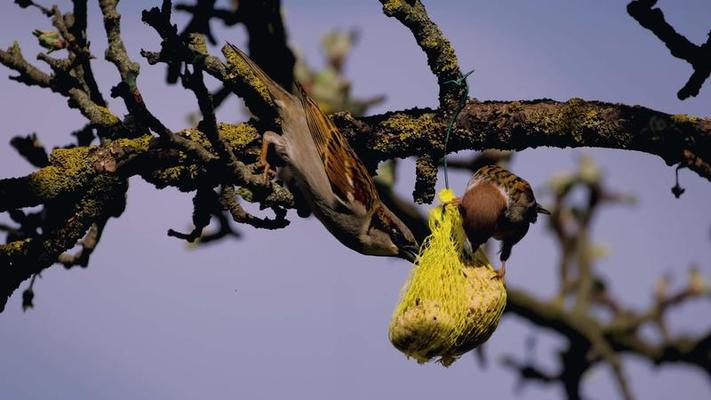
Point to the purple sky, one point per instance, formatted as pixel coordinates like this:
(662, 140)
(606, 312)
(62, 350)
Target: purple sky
(294, 314)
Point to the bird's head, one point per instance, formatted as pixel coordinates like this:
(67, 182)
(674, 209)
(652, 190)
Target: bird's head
(387, 235)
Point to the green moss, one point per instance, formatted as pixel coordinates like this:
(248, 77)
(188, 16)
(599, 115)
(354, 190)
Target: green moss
(392, 6)
(181, 176)
(246, 194)
(684, 118)
(140, 144)
(72, 158)
(515, 106)
(407, 127)
(73, 169)
(196, 136)
(197, 43)
(571, 119)
(69, 170)
(576, 118)
(239, 136)
(107, 117)
(16, 248)
(430, 42)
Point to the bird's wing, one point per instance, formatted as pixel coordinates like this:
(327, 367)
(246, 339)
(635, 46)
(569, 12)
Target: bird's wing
(522, 206)
(521, 203)
(347, 175)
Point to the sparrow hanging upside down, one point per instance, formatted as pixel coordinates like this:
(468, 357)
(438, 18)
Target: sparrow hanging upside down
(333, 180)
(498, 204)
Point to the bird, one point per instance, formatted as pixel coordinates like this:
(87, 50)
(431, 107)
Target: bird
(499, 204)
(329, 174)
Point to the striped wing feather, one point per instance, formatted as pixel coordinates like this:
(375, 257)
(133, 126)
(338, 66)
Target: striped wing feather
(349, 179)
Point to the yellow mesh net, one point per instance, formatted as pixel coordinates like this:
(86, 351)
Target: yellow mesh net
(452, 302)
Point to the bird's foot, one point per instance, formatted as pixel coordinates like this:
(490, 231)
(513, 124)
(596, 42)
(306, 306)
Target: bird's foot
(500, 273)
(456, 201)
(267, 171)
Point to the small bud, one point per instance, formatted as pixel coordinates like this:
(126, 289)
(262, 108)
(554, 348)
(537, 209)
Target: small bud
(660, 291)
(697, 283)
(50, 40)
(589, 171)
(677, 190)
(27, 297)
(197, 43)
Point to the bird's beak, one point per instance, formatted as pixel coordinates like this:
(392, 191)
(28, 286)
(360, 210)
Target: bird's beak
(409, 253)
(541, 210)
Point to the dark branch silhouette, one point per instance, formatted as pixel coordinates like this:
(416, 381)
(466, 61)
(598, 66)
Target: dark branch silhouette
(698, 56)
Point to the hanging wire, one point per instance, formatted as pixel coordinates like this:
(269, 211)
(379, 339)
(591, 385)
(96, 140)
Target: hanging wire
(461, 82)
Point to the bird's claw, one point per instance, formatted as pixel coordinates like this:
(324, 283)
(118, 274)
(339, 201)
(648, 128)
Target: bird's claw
(500, 273)
(456, 201)
(267, 172)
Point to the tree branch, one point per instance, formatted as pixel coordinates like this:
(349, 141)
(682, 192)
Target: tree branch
(265, 27)
(444, 65)
(441, 56)
(680, 47)
(519, 125)
(87, 244)
(503, 125)
(21, 259)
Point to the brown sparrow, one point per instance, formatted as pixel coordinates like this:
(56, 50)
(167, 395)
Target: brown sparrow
(498, 204)
(333, 180)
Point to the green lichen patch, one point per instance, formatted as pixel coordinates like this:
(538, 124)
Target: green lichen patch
(238, 136)
(69, 170)
(107, 117)
(684, 119)
(184, 177)
(515, 106)
(392, 6)
(241, 71)
(573, 118)
(407, 127)
(15, 249)
(140, 144)
(198, 43)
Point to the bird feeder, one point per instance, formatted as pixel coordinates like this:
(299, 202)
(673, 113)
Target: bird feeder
(453, 300)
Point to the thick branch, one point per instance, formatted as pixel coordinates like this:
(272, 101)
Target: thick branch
(72, 170)
(529, 124)
(503, 125)
(21, 259)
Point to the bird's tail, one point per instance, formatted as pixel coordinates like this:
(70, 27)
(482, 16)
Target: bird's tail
(275, 90)
(541, 210)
